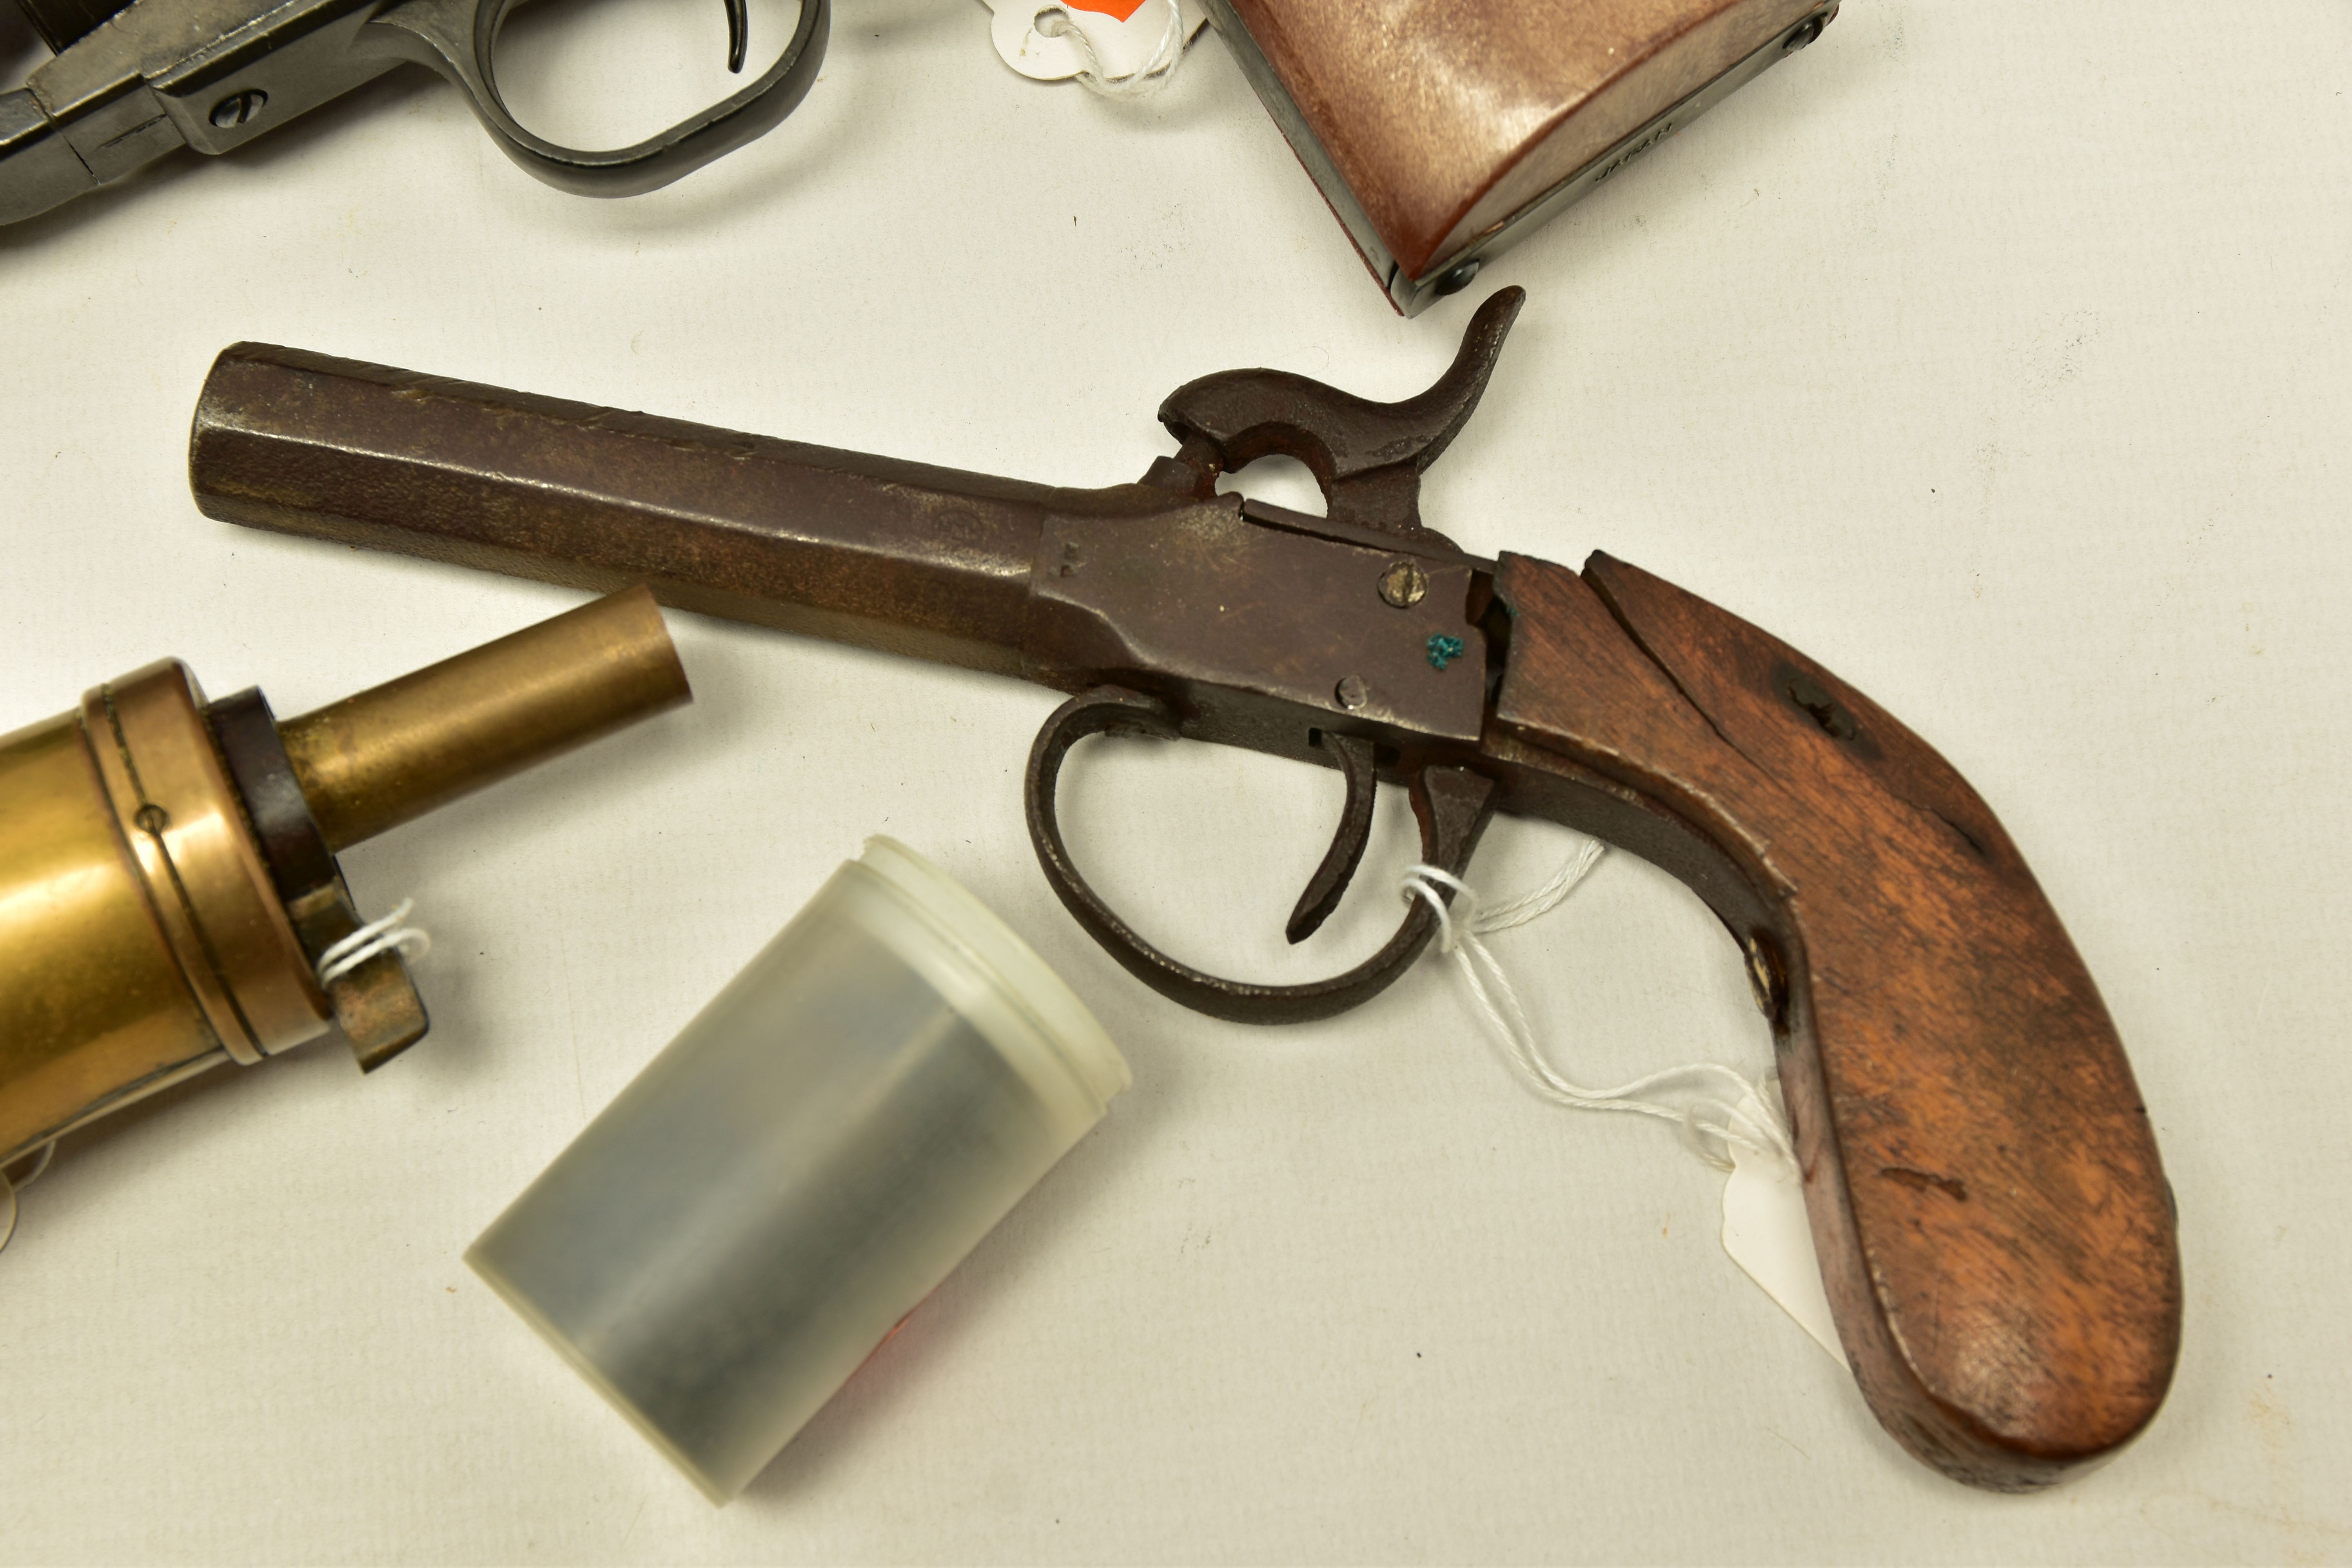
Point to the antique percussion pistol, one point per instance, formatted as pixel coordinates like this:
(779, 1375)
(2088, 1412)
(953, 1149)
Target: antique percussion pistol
(130, 83)
(1993, 1222)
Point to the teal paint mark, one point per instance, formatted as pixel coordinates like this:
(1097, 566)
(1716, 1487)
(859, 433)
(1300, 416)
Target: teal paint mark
(1442, 650)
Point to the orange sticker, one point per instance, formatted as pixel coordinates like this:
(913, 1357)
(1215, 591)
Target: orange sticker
(1126, 42)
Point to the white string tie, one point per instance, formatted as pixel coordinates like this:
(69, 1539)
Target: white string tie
(375, 937)
(1054, 22)
(1712, 1125)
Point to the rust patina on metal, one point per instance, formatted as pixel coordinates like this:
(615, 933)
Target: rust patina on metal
(1259, 627)
(1992, 1220)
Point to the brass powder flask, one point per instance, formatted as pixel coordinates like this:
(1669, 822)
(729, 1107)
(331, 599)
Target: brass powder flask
(168, 883)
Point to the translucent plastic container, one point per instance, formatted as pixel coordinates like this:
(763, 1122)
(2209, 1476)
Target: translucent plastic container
(721, 1247)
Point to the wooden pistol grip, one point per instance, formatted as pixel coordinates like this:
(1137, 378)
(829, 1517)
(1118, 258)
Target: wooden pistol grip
(1993, 1224)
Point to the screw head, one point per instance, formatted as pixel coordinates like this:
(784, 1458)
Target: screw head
(1405, 584)
(238, 108)
(1458, 278)
(1352, 693)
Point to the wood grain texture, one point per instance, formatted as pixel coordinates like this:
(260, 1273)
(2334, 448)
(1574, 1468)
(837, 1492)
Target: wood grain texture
(1444, 117)
(1993, 1224)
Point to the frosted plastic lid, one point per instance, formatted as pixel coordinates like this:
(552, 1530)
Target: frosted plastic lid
(1077, 1045)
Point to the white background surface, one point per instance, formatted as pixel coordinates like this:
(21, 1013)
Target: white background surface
(1993, 354)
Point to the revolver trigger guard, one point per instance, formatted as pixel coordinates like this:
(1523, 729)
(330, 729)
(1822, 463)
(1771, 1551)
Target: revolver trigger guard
(1453, 806)
(459, 39)
(1367, 456)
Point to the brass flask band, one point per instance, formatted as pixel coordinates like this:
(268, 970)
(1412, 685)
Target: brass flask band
(204, 874)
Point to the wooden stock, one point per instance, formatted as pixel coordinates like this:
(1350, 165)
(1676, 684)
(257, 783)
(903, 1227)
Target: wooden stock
(1993, 1224)
(1440, 129)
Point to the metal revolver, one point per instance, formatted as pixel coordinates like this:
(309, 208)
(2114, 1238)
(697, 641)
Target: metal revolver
(1991, 1218)
(129, 85)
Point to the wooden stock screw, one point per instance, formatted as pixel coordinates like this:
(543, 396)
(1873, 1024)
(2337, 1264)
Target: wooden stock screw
(1405, 584)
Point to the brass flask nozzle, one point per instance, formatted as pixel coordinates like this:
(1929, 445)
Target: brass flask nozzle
(167, 867)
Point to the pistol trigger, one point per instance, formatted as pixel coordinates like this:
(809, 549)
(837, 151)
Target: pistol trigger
(738, 33)
(1451, 806)
(1325, 889)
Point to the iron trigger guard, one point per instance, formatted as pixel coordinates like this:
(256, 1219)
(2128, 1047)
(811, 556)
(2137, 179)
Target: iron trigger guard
(457, 39)
(1451, 806)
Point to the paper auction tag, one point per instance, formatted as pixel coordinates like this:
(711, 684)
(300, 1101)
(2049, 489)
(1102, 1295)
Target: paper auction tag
(1764, 1226)
(1126, 35)
(1765, 1230)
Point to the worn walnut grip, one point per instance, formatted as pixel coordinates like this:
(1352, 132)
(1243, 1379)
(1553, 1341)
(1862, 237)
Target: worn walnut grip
(1993, 1224)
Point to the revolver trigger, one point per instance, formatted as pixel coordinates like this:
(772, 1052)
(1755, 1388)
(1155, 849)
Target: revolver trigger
(1330, 880)
(738, 33)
